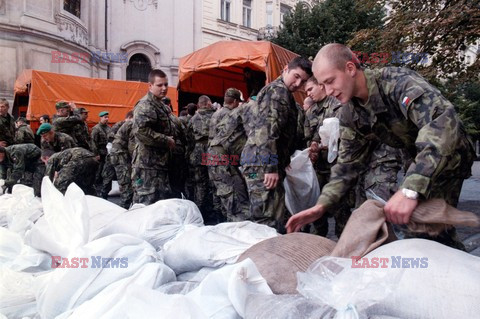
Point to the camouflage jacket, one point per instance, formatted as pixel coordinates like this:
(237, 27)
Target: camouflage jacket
(403, 111)
(17, 158)
(273, 132)
(71, 156)
(114, 129)
(316, 114)
(301, 142)
(124, 141)
(227, 130)
(100, 134)
(24, 134)
(66, 124)
(7, 129)
(61, 142)
(197, 134)
(151, 127)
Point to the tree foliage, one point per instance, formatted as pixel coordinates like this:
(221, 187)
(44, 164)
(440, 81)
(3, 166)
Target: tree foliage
(307, 28)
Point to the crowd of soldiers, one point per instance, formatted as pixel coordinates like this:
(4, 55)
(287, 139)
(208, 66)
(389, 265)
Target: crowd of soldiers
(232, 160)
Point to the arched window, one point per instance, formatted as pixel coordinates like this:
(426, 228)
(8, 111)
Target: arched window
(72, 6)
(138, 68)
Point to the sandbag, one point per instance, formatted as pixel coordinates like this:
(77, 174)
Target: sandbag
(279, 259)
(65, 224)
(301, 183)
(102, 213)
(156, 223)
(329, 133)
(448, 287)
(17, 294)
(213, 246)
(70, 287)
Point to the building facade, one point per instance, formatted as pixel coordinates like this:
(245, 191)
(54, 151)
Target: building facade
(123, 39)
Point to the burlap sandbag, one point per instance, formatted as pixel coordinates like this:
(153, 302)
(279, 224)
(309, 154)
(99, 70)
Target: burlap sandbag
(279, 259)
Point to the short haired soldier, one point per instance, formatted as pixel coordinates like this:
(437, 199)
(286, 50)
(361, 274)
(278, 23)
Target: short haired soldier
(271, 142)
(24, 133)
(7, 124)
(401, 108)
(100, 134)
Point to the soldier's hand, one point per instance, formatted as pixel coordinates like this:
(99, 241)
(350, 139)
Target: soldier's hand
(313, 152)
(3, 143)
(270, 180)
(297, 221)
(399, 208)
(73, 106)
(170, 142)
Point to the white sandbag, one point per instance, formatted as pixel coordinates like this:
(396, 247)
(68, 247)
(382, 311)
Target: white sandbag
(329, 133)
(19, 210)
(284, 307)
(345, 292)
(178, 287)
(70, 287)
(213, 246)
(115, 191)
(102, 305)
(222, 295)
(17, 294)
(448, 287)
(156, 223)
(17, 256)
(301, 183)
(65, 224)
(197, 275)
(102, 213)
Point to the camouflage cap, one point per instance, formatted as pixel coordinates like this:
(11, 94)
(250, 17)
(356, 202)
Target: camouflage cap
(62, 105)
(103, 113)
(44, 128)
(234, 93)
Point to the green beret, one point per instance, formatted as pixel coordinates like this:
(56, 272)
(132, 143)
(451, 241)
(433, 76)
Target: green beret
(44, 128)
(103, 113)
(62, 105)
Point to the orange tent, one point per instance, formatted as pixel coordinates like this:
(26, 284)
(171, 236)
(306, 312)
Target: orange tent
(217, 67)
(44, 89)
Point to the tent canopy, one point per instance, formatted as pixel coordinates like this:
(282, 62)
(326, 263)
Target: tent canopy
(45, 89)
(217, 67)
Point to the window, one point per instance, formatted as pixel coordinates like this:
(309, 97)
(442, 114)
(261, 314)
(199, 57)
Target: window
(225, 10)
(269, 13)
(72, 6)
(247, 13)
(284, 10)
(138, 68)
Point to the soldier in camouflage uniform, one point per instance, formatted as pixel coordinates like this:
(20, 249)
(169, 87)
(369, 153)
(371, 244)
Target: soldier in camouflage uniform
(198, 132)
(24, 133)
(7, 125)
(324, 107)
(153, 131)
(178, 163)
(400, 108)
(226, 141)
(66, 120)
(74, 165)
(121, 159)
(189, 183)
(79, 132)
(21, 159)
(54, 141)
(271, 142)
(100, 134)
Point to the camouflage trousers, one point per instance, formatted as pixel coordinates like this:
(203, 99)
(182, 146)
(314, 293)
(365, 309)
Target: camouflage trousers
(78, 172)
(150, 185)
(177, 172)
(340, 212)
(123, 170)
(205, 197)
(232, 191)
(33, 176)
(267, 206)
(108, 176)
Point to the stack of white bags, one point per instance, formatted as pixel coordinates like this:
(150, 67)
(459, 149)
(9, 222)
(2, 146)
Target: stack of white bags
(78, 256)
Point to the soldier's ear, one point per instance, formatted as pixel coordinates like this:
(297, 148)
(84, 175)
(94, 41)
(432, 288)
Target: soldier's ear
(351, 68)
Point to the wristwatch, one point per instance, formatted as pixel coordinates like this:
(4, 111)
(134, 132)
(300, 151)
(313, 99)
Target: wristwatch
(408, 193)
